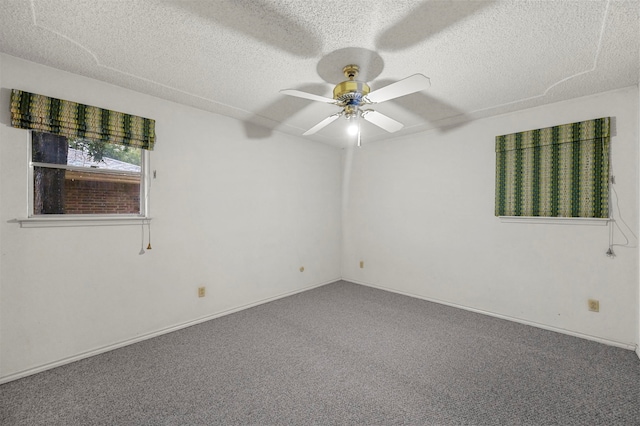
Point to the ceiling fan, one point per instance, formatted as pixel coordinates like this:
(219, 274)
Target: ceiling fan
(352, 95)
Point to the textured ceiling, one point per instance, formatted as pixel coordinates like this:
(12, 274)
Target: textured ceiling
(233, 56)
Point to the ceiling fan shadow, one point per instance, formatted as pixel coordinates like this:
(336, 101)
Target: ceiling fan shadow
(261, 124)
(257, 20)
(426, 20)
(442, 115)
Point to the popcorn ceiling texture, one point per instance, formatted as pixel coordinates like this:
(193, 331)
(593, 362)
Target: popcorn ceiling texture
(232, 57)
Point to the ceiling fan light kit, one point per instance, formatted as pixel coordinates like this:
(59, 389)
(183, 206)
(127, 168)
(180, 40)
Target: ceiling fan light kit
(351, 95)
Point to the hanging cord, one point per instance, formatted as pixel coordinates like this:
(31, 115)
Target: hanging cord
(147, 192)
(149, 226)
(141, 252)
(150, 175)
(613, 222)
(146, 196)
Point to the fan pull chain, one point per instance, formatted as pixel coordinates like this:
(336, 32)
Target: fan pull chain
(149, 227)
(141, 252)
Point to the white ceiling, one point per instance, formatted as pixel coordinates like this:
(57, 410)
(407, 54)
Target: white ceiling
(233, 56)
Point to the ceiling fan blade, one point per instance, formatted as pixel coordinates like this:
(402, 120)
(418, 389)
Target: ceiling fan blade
(305, 95)
(330, 119)
(412, 84)
(382, 121)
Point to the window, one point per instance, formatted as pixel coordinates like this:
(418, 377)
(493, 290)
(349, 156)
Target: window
(83, 177)
(560, 171)
(86, 162)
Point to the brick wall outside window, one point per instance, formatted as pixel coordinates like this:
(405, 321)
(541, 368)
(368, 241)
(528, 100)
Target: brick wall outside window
(91, 197)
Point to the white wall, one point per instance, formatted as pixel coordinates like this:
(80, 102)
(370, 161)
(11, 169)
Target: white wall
(420, 214)
(241, 216)
(1, 206)
(235, 214)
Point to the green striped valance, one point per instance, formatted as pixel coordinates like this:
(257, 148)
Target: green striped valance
(74, 120)
(560, 171)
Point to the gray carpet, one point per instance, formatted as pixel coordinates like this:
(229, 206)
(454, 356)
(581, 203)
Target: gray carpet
(340, 354)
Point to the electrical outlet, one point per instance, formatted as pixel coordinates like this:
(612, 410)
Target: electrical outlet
(362, 264)
(202, 291)
(594, 305)
(302, 269)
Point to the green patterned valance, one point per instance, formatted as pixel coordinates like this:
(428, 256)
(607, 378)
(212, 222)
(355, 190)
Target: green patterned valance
(560, 171)
(74, 120)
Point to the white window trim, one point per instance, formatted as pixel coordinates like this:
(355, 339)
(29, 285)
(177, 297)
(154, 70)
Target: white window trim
(62, 220)
(50, 221)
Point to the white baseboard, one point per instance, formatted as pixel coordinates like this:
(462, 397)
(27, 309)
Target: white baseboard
(176, 327)
(623, 345)
(107, 348)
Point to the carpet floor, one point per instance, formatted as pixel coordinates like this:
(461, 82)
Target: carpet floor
(341, 354)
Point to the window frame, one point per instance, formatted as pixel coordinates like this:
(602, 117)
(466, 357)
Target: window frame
(99, 219)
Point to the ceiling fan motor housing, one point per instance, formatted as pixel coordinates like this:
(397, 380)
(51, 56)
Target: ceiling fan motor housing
(350, 92)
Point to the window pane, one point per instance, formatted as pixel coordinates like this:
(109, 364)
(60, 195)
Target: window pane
(54, 149)
(103, 155)
(48, 148)
(109, 182)
(58, 191)
(49, 191)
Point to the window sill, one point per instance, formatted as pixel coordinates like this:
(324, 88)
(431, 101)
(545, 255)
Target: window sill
(590, 221)
(66, 221)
